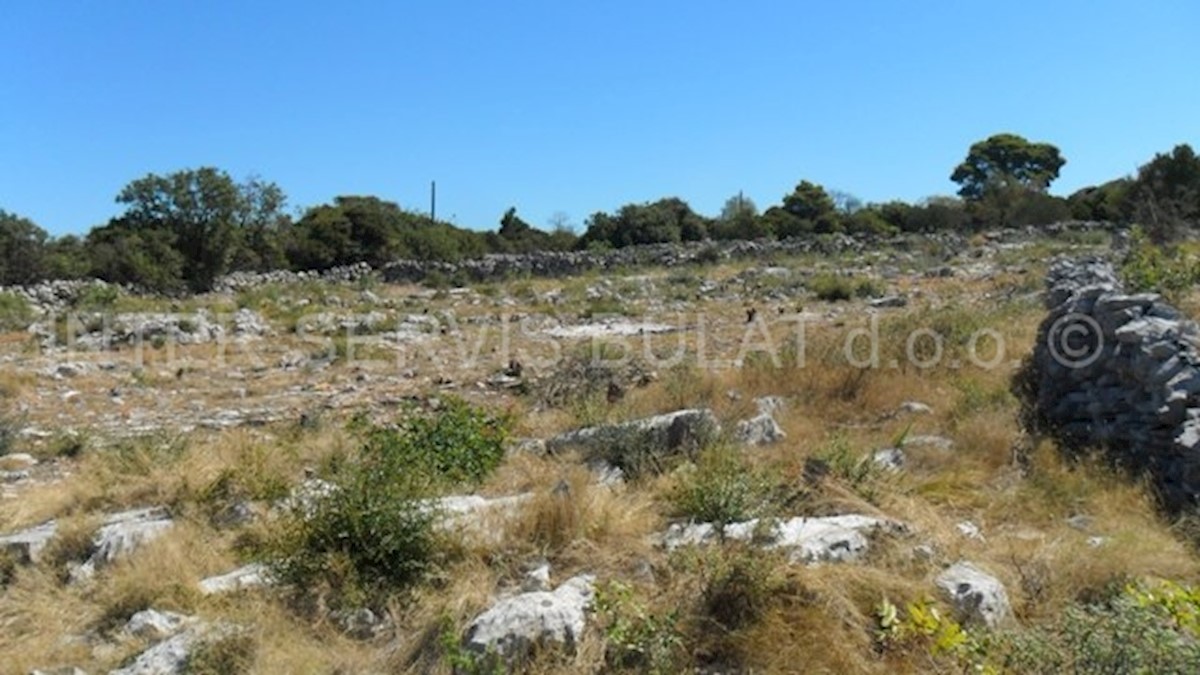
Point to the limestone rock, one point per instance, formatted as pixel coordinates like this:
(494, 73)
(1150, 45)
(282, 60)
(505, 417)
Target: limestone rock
(27, 545)
(253, 575)
(976, 595)
(679, 431)
(154, 625)
(514, 625)
(808, 540)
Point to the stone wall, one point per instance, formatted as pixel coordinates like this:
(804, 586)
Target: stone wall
(57, 295)
(1119, 372)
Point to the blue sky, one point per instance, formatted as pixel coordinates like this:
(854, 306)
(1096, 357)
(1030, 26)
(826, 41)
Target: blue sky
(575, 107)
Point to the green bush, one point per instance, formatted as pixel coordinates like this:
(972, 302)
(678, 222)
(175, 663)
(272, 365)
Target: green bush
(97, 297)
(373, 534)
(721, 489)
(836, 287)
(456, 444)
(1161, 269)
(740, 588)
(638, 639)
(15, 312)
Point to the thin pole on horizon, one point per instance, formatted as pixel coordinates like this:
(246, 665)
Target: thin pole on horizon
(433, 202)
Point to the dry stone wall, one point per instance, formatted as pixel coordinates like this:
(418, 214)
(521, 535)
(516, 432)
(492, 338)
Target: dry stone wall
(1119, 372)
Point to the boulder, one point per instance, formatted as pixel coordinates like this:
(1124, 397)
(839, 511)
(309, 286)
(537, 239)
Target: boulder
(977, 596)
(165, 658)
(679, 431)
(514, 625)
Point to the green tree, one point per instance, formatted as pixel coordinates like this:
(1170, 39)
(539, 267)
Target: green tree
(1107, 202)
(813, 208)
(22, 250)
(739, 220)
(1166, 194)
(1006, 161)
(130, 253)
(262, 227)
(202, 213)
(667, 220)
(67, 258)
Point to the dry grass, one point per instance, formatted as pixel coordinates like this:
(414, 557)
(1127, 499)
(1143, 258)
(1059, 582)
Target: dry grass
(738, 610)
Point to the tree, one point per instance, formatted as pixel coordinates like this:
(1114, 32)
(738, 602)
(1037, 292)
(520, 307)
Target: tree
(667, 220)
(813, 208)
(201, 214)
(1166, 193)
(739, 220)
(1006, 161)
(22, 250)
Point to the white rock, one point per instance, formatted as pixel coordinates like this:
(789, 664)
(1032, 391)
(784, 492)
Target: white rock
(670, 431)
(889, 459)
(27, 545)
(165, 658)
(122, 534)
(761, 429)
(537, 579)
(514, 625)
(810, 540)
(978, 596)
(915, 408)
(17, 461)
(154, 625)
(969, 530)
(253, 575)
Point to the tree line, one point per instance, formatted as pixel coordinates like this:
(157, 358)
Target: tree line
(180, 232)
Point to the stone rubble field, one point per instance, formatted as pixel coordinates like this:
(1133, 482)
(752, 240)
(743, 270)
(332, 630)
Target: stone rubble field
(696, 477)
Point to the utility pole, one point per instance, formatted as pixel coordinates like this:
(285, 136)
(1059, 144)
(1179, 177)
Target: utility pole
(432, 202)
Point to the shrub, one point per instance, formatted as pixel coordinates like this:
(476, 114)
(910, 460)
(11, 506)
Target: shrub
(373, 533)
(1166, 270)
(97, 297)
(456, 444)
(15, 312)
(637, 638)
(740, 589)
(836, 288)
(721, 489)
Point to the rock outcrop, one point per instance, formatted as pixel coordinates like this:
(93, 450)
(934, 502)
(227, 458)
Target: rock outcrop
(807, 540)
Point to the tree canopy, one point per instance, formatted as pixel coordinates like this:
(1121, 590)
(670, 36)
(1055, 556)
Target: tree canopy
(1006, 161)
(22, 250)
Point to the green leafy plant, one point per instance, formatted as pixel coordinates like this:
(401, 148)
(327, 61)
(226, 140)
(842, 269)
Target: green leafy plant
(637, 638)
(372, 533)
(721, 488)
(1169, 270)
(462, 660)
(15, 312)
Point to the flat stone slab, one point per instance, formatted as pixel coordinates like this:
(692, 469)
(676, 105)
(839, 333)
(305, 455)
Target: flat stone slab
(27, 545)
(808, 540)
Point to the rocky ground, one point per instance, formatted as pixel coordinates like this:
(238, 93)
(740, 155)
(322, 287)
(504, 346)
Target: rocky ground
(804, 462)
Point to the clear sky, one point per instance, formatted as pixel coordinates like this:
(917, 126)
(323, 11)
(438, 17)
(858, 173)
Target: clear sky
(572, 106)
